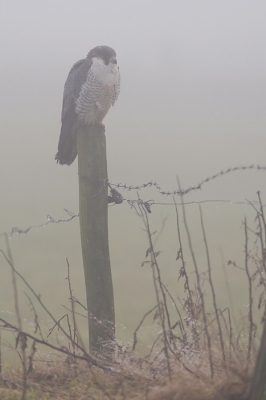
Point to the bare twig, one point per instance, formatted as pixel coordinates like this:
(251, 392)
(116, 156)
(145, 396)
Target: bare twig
(180, 323)
(76, 313)
(78, 302)
(263, 254)
(156, 270)
(250, 313)
(214, 319)
(23, 345)
(231, 332)
(40, 301)
(198, 285)
(262, 216)
(75, 337)
(263, 248)
(33, 351)
(59, 326)
(212, 287)
(36, 318)
(62, 349)
(139, 325)
(154, 344)
(229, 293)
(183, 271)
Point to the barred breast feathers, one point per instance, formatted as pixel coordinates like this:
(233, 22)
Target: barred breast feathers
(99, 91)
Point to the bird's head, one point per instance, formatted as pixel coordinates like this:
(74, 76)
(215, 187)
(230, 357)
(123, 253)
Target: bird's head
(105, 53)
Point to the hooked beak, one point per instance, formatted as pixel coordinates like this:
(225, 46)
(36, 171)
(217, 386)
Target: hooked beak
(113, 60)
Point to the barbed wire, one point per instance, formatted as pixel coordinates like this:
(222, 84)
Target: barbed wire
(183, 192)
(117, 198)
(134, 204)
(50, 220)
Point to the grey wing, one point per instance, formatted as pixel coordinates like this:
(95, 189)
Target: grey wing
(67, 146)
(71, 89)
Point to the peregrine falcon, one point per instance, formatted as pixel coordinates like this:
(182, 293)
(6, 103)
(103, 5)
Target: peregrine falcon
(91, 88)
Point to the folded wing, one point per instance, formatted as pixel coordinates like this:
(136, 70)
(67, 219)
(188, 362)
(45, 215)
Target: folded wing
(67, 146)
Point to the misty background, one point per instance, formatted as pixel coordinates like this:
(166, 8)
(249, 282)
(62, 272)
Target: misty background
(192, 103)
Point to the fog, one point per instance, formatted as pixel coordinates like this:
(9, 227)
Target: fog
(192, 103)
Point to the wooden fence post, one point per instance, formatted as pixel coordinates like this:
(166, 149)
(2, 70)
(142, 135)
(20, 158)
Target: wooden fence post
(93, 190)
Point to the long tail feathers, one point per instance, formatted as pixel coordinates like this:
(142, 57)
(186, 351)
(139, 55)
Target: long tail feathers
(67, 146)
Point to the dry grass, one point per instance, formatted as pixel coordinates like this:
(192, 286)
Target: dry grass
(134, 379)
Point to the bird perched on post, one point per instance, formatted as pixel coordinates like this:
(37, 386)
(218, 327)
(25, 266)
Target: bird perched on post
(91, 88)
